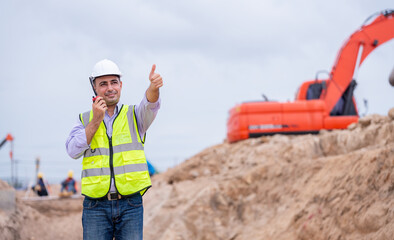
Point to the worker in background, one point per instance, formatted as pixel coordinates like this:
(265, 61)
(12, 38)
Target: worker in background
(69, 184)
(111, 137)
(40, 187)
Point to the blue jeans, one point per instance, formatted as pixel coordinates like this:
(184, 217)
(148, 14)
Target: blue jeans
(104, 219)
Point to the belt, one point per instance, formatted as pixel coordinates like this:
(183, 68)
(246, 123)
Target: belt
(111, 197)
(114, 196)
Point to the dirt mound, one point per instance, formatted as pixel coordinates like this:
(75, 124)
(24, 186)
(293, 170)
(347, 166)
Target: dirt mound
(42, 219)
(335, 185)
(4, 185)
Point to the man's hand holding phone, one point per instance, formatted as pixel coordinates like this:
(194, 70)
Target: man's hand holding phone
(99, 107)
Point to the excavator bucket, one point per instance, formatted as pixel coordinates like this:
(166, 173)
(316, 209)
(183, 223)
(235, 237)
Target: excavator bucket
(391, 78)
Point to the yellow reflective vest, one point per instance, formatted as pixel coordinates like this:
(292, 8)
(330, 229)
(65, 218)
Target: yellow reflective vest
(121, 155)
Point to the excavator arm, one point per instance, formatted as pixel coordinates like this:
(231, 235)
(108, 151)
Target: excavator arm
(7, 138)
(352, 54)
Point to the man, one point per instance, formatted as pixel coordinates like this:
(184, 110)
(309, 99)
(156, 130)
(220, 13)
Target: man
(69, 185)
(40, 187)
(114, 171)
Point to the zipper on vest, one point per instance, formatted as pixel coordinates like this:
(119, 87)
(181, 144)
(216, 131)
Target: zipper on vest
(111, 152)
(111, 159)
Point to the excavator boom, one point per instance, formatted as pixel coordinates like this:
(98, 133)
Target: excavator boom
(353, 53)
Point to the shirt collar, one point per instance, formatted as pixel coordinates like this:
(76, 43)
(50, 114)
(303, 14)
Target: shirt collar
(117, 108)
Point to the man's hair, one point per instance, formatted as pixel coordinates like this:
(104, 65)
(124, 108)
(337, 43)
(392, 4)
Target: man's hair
(94, 80)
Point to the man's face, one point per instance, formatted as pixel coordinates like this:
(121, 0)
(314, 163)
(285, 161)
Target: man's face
(109, 88)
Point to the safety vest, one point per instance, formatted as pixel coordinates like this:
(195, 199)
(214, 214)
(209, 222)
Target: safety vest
(121, 156)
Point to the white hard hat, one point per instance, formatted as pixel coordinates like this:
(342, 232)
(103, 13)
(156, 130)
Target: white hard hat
(103, 68)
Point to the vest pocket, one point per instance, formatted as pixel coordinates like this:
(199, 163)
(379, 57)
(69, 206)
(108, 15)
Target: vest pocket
(137, 176)
(90, 180)
(92, 170)
(135, 166)
(122, 138)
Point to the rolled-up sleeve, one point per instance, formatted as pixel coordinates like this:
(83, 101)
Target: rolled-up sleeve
(76, 143)
(145, 113)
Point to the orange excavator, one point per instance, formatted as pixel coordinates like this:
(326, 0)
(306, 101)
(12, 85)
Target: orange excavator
(320, 103)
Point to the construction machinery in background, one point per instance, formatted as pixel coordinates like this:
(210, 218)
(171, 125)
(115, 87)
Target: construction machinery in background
(7, 138)
(391, 78)
(10, 138)
(320, 103)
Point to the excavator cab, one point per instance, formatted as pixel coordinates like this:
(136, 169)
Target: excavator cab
(314, 90)
(345, 105)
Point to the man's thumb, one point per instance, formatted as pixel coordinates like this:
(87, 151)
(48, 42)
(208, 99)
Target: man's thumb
(153, 70)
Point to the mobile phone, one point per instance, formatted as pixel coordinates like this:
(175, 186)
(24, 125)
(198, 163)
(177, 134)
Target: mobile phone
(94, 98)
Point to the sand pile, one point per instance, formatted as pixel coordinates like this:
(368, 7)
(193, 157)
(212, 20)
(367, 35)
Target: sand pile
(335, 185)
(46, 219)
(4, 185)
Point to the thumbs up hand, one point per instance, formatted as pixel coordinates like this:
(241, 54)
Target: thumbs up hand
(156, 81)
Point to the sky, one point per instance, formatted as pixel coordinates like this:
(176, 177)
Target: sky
(212, 55)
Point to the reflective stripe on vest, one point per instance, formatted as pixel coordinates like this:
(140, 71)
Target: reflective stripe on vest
(128, 159)
(93, 172)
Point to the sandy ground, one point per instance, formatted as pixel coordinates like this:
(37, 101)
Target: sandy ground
(47, 218)
(334, 185)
